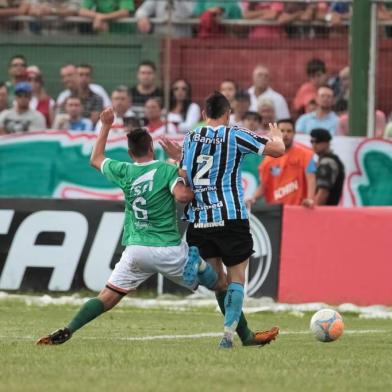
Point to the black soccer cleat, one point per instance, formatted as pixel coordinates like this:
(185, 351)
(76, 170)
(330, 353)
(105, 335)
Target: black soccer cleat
(59, 336)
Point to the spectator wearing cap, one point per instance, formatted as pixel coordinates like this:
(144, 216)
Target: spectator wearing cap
(20, 118)
(17, 72)
(241, 105)
(323, 116)
(330, 169)
(261, 88)
(252, 121)
(40, 100)
(72, 119)
(3, 97)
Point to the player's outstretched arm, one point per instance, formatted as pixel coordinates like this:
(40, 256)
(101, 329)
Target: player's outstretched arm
(182, 193)
(98, 154)
(275, 146)
(172, 148)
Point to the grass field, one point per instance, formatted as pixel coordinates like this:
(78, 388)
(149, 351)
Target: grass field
(118, 352)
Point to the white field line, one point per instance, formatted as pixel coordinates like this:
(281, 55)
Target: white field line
(193, 336)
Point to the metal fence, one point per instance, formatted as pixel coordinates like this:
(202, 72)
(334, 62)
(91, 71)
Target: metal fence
(207, 48)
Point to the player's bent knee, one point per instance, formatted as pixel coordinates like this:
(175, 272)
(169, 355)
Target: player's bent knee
(110, 298)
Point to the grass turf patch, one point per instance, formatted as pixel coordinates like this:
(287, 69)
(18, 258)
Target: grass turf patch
(99, 358)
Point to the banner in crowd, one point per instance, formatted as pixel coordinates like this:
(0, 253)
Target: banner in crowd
(368, 166)
(56, 164)
(61, 245)
(336, 255)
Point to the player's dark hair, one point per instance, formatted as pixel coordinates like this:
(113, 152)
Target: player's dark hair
(73, 96)
(314, 66)
(188, 100)
(157, 100)
(216, 105)
(147, 63)
(2, 84)
(253, 115)
(122, 89)
(85, 65)
(242, 95)
(139, 142)
(287, 120)
(230, 81)
(18, 56)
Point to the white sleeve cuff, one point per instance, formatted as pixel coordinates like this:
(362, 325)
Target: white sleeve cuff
(179, 179)
(103, 163)
(261, 149)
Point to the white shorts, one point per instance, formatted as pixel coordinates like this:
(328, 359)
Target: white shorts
(138, 263)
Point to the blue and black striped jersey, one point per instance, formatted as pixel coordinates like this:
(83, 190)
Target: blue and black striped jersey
(212, 159)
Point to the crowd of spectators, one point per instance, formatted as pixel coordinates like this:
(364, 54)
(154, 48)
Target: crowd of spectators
(276, 18)
(25, 105)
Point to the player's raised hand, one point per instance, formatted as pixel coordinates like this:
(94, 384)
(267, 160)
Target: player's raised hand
(274, 130)
(172, 148)
(107, 117)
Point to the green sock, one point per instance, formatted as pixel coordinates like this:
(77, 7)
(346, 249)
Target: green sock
(242, 330)
(89, 311)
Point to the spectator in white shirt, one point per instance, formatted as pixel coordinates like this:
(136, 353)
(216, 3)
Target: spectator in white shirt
(123, 114)
(261, 88)
(72, 77)
(183, 113)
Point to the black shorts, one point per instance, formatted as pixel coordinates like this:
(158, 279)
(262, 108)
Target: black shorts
(232, 242)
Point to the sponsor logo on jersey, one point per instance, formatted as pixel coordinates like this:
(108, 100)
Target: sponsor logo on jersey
(208, 225)
(143, 183)
(285, 190)
(208, 206)
(207, 140)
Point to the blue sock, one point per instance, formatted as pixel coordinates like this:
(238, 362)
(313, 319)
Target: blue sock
(233, 306)
(208, 277)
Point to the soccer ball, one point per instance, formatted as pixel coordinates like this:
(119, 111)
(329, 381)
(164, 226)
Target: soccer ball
(327, 325)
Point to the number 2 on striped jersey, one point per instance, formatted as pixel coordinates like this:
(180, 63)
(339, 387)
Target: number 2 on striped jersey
(203, 171)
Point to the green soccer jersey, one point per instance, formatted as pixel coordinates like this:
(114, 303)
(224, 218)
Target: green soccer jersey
(150, 209)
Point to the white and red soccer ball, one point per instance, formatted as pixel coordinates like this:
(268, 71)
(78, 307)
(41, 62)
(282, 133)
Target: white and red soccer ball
(327, 325)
